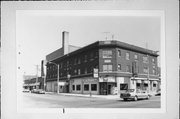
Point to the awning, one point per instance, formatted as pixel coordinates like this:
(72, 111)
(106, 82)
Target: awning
(62, 83)
(155, 82)
(146, 82)
(138, 81)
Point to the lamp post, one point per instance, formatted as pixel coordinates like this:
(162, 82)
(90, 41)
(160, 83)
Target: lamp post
(57, 76)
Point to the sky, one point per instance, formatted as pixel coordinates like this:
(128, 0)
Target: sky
(38, 34)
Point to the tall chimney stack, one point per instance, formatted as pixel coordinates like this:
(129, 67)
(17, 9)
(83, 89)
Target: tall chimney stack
(65, 42)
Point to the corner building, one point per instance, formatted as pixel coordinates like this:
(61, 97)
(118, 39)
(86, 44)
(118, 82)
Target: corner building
(119, 66)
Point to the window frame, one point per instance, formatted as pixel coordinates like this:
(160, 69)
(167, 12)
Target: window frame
(92, 87)
(85, 88)
(127, 56)
(78, 87)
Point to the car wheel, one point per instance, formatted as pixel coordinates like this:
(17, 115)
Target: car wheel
(125, 99)
(135, 98)
(147, 97)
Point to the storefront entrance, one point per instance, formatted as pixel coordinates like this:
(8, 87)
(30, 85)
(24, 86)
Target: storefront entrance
(107, 88)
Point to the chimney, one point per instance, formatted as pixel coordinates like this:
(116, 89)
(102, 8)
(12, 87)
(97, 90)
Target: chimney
(65, 42)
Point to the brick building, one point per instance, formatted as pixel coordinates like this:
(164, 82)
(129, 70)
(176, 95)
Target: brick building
(103, 67)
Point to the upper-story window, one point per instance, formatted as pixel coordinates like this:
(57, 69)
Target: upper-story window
(79, 71)
(145, 59)
(85, 58)
(107, 68)
(96, 54)
(85, 71)
(128, 68)
(136, 57)
(75, 61)
(79, 61)
(107, 53)
(153, 60)
(154, 71)
(127, 56)
(91, 56)
(119, 67)
(145, 70)
(119, 53)
(75, 71)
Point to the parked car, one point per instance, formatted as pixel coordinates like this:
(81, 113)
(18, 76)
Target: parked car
(38, 91)
(134, 94)
(26, 90)
(158, 93)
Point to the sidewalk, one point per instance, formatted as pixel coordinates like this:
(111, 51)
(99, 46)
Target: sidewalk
(88, 95)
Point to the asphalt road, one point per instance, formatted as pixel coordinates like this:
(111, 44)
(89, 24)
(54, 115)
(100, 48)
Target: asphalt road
(31, 100)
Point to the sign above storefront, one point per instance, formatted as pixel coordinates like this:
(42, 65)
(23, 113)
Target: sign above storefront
(107, 79)
(107, 61)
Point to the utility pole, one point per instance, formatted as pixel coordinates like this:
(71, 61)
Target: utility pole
(36, 75)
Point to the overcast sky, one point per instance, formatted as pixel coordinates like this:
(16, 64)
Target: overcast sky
(40, 34)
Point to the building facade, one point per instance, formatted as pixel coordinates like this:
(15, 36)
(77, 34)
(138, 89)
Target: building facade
(105, 68)
(31, 82)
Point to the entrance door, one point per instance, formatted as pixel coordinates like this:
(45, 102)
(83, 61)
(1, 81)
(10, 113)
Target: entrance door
(109, 89)
(103, 88)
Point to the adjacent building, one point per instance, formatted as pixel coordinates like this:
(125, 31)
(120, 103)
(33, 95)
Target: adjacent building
(103, 67)
(32, 82)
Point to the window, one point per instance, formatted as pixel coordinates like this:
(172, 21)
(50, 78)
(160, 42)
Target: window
(78, 87)
(153, 60)
(96, 54)
(67, 63)
(75, 60)
(79, 71)
(124, 86)
(119, 53)
(145, 70)
(86, 87)
(107, 54)
(119, 67)
(127, 56)
(138, 84)
(91, 56)
(128, 68)
(145, 85)
(154, 71)
(145, 59)
(107, 68)
(154, 85)
(136, 57)
(85, 58)
(73, 87)
(75, 71)
(79, 61)
(85, 71)
(94, 87)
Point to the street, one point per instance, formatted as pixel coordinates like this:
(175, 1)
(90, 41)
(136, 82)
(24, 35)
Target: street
(31, 100)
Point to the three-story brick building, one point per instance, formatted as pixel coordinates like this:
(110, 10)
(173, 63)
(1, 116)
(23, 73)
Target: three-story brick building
(120, 66)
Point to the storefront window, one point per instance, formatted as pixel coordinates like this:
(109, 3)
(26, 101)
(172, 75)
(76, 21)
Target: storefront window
(124, 86)
(86, 87)
(94, 87)
(78, 87)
